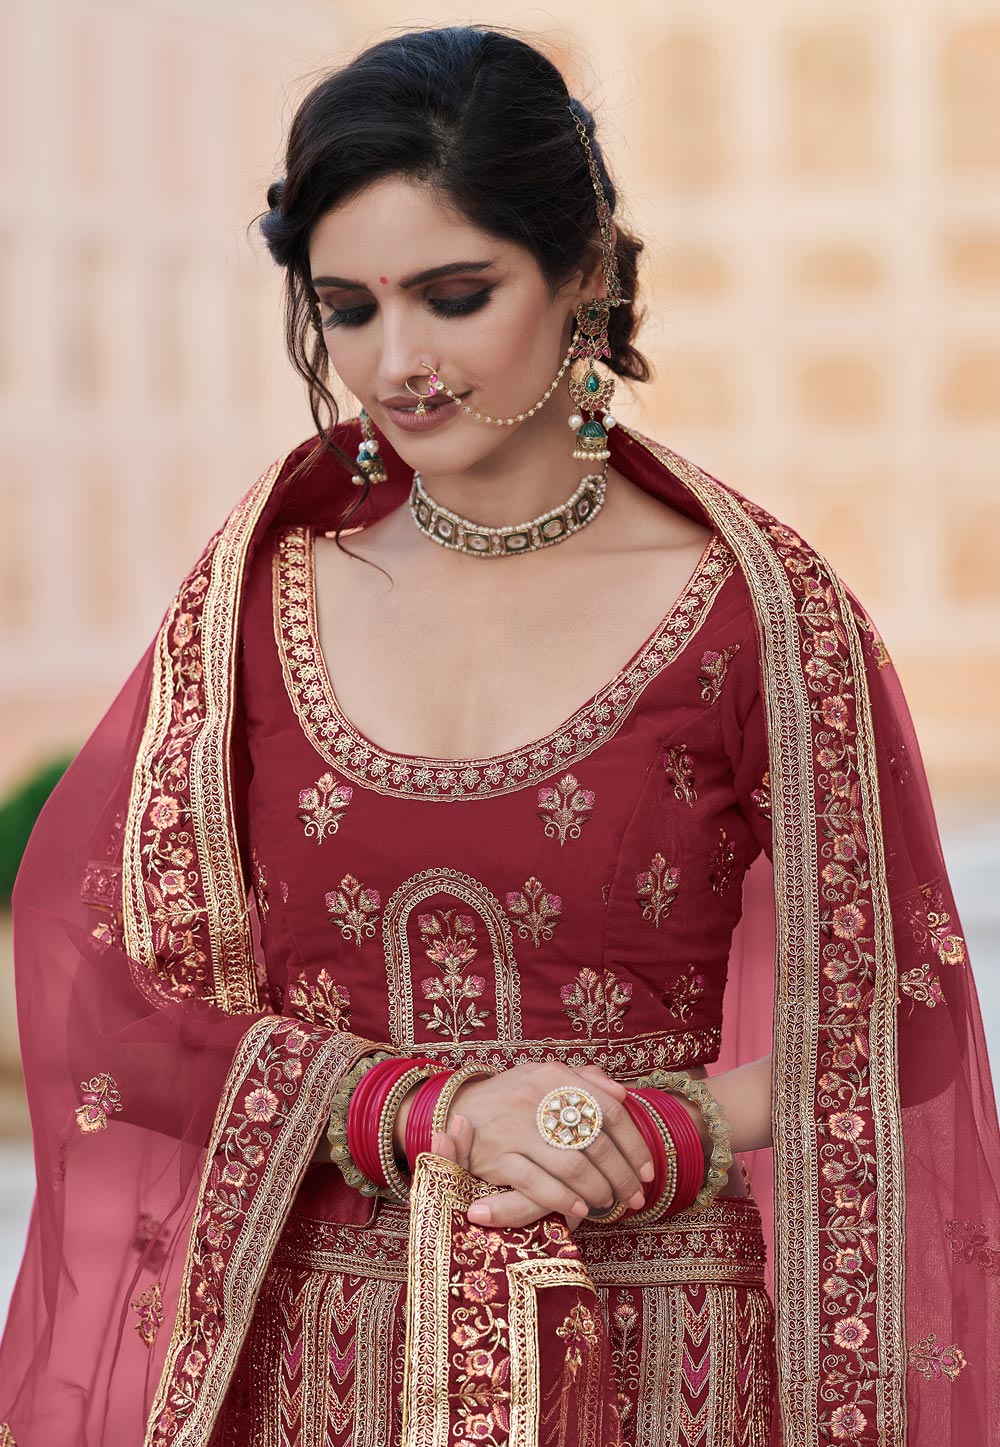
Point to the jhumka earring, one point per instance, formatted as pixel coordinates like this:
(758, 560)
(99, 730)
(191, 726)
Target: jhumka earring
(591, 393)
(371, 468)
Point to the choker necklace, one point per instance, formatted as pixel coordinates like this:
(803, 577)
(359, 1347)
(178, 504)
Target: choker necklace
(464, 536)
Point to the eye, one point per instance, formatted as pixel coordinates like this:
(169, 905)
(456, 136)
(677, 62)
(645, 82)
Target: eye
(457, 307)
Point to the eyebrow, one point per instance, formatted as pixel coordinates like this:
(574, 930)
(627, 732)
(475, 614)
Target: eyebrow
(431, 274)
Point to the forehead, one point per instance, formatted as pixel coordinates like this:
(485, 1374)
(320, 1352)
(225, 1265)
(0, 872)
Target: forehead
(392, 228)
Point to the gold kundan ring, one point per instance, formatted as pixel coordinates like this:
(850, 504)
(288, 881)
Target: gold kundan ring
(568, 1118)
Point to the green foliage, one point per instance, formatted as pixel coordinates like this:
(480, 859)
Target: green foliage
(18, 813)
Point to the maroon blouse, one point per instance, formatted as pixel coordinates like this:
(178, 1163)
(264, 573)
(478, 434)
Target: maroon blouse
(574, 899)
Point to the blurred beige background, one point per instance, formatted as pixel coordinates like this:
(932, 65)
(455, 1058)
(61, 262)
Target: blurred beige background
(819, 188)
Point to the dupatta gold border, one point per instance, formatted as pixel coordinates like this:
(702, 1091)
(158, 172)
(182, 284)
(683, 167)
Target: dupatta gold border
(196, 641)
(813, 1384)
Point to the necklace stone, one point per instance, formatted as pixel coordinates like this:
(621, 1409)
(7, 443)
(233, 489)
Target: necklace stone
(464, 536)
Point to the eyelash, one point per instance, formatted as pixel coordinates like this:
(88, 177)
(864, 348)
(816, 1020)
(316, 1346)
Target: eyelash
(461, 306)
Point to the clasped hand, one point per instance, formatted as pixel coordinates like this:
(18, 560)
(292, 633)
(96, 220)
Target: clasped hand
(493, 1134)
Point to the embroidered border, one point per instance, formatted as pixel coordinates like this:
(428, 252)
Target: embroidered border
(342, 746)
(190, 926)
(835, 984)
(269, 1118)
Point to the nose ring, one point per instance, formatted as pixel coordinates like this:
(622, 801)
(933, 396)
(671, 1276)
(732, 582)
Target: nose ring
(436, 386)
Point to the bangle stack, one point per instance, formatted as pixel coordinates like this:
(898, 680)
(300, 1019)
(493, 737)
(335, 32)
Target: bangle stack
(680, 1181)
(363, 1117)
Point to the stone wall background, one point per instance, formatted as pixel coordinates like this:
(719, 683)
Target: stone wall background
(819, 189)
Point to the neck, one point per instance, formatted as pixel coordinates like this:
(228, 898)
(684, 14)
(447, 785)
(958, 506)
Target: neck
(532, 471)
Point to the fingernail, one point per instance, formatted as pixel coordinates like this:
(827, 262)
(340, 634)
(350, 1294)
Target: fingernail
(580, 1207)
(478, 1213)
(648, 1171)
(637, 1200)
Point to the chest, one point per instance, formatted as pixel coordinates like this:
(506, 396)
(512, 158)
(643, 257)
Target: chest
(468, 663)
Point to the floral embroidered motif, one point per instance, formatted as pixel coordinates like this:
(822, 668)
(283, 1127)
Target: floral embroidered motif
(565, 808)
(971, 1244)
(678, 766)
(148, 1306)
(6, 1436)
(355, 909)
(336, 739)
(681, 997)
(922, 985)
(657, 889)
(931, 1359)
(875, 643)
(596, 1004)
(714, 666)
(322, 807)
(321, 1001)
(720, 863)
(259, 883)
(150, 1239)
(101, 1098)
(761, 796)
(535, 912)
(450, 939)
(930, 928)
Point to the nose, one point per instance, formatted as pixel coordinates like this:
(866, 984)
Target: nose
(404, 349)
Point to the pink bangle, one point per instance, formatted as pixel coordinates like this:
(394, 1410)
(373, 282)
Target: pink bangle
(690, 1150)
(418, 1122)
(363, 1114)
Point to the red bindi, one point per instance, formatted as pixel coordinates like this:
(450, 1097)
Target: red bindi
(384, 280)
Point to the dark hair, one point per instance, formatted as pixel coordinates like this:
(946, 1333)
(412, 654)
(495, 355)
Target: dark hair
(477, 114)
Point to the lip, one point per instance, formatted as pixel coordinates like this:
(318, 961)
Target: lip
(435, 416)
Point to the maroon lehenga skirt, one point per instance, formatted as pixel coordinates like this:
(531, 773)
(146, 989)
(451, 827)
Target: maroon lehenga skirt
(688, 1314)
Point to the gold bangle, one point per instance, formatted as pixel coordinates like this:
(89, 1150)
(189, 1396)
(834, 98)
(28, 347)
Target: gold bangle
(681, 1083)
(336, 1132)
(658, 1208)
(471, 1068)
(398, 1188)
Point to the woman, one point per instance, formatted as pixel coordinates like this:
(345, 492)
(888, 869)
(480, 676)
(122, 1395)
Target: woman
(427, 886)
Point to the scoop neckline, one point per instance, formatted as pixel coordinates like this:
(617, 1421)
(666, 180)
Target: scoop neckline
(359, 758)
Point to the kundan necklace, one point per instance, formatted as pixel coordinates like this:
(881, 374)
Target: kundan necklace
(464, 536)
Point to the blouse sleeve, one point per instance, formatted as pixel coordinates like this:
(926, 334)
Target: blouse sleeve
(744, 735)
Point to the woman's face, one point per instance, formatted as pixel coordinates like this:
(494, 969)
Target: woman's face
(489, 327)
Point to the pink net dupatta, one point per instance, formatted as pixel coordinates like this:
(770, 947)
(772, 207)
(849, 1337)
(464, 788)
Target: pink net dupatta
(174, 1113)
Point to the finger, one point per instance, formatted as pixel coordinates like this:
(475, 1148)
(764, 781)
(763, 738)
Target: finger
(619, 1152)
(533, 1182)
(514, 1208)
(613, 1087)
(443, 1144)
(460, 1131)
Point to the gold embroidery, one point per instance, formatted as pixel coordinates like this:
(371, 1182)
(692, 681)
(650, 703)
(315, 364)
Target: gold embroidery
(535, 912)
(449, 938)
(355, 908)
(714, 666)
(565, 808)
(761, 796)
(101, 1098)
(682, 996)
(922, 985)
(148, 1306)
(825, 722)
(322, 807)
(191, 930)
(6, 1436)
(656, 889)
(259, 883)
(720, 863)
(679, 768)
(594, 1003)
(358, 759)
(932, 1359)
(248, 1183)
(322, 1001)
